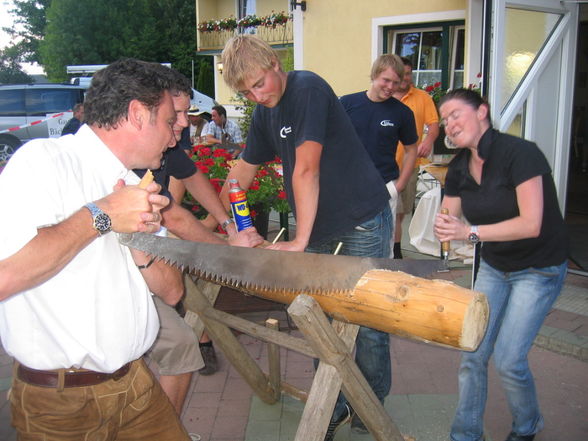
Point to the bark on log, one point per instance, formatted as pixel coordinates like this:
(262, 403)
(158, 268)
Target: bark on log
(433, 311)
(430, 310)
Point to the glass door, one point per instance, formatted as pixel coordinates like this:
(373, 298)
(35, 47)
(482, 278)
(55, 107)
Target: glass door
(532, 59)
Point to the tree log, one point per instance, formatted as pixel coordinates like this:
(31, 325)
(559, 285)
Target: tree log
(432, 311)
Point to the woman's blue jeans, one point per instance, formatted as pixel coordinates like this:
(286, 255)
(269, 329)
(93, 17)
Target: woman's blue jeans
(372, 350)
(519, 302)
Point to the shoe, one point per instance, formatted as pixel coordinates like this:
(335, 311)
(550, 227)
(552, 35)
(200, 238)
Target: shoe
(514, 437)
(335, 425)
(210, 361)
(194, 437)
(357, 425)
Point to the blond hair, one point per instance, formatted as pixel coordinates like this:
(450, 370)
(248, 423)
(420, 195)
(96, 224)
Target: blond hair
(243, 55)
(385, 61)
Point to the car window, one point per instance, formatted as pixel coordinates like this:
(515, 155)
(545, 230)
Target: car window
(43, 101)
(12, 102)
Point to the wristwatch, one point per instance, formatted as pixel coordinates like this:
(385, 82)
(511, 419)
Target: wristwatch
(473, 237)
(102, 223)
(226, 223)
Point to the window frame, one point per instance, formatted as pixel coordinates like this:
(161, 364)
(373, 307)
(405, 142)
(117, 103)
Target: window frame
(448, 33)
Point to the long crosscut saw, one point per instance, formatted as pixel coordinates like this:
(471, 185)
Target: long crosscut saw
(385, 294)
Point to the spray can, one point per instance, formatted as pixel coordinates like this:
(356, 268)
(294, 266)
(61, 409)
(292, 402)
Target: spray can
(239, 206)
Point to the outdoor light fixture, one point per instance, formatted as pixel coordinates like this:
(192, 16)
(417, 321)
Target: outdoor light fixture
(294, 4)
(219, 67)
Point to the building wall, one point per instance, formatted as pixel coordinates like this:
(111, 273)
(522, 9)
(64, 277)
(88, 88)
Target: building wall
(266, 7)
(215, 9)
(338, 41)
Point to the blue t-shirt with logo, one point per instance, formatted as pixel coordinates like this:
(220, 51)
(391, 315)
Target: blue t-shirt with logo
(380, 125)
(351, 190)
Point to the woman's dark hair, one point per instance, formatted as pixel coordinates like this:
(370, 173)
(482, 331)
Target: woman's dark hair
(115, 86)
(468, 96)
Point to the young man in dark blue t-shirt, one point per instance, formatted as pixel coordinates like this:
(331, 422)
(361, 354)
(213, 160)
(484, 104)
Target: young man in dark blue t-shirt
(381, 121)
(333, 187)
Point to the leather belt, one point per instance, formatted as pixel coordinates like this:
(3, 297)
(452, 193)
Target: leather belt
(76, 378)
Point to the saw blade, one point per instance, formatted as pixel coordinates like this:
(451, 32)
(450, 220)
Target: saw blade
(258, 269)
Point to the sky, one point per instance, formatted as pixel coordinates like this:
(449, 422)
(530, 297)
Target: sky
(6, 20)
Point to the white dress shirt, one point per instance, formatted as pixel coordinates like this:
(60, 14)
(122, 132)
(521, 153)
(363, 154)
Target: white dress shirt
(97, 313)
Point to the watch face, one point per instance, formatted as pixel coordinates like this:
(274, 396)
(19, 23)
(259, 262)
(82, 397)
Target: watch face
(473, 238)
(102, 223)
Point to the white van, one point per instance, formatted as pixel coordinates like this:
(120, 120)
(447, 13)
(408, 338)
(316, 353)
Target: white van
(26, 108)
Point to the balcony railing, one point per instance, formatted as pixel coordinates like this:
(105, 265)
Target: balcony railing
(215, 41)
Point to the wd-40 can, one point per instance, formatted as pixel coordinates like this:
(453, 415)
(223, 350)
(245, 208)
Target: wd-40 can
(239, 205)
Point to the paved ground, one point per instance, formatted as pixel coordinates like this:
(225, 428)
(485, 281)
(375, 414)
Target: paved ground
(221, 407)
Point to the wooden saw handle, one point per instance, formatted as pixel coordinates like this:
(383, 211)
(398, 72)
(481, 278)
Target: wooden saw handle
(446, 245)
(146, 179)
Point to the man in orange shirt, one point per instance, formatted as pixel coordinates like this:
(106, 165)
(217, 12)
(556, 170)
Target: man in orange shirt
(425, 115)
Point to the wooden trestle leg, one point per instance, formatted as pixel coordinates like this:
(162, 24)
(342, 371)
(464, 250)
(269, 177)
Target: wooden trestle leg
(337, 370)
(331, 343)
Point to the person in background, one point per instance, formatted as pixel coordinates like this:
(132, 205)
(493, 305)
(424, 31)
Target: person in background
(381, 121)
(197, 124)
(503, 186)
(331, 183)
(427, 121)
(74, 124)
(223, 131)
(76, 305)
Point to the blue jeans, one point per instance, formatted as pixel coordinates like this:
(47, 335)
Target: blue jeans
(519, 302)
(372, 350)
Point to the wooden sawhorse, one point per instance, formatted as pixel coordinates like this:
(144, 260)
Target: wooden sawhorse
(332, 344)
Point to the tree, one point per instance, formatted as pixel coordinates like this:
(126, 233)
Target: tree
(58, 33)
(31, 22)
(10, 70)
(205, 82)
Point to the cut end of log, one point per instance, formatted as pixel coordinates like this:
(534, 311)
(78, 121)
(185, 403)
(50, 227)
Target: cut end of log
(436, 311)
(475, 322)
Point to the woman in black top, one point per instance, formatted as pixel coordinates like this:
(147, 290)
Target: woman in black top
(503, 187)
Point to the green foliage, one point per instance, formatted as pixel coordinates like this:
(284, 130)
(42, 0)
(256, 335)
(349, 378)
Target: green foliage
(10, 70)
(246, 107)
(101, 31)
(205, 82)
(30, 15)
(288, 60)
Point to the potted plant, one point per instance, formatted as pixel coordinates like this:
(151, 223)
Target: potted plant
(265, 193)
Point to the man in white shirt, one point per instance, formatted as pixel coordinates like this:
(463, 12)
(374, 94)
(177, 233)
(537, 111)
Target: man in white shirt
(75, 305)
